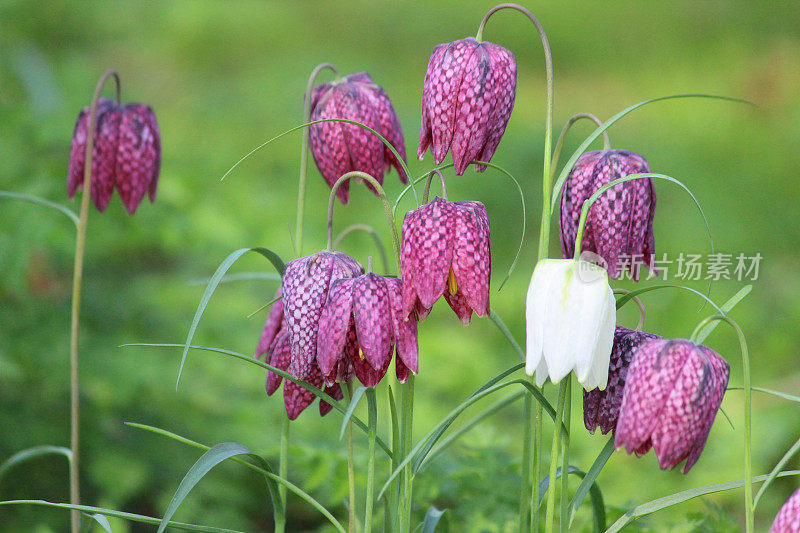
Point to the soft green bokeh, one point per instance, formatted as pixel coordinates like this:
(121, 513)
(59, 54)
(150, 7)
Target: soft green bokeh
(222, 78)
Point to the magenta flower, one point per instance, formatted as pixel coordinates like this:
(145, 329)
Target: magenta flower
(339, 148)
(467, 100)
(126, 155)
(446, 251)
(619, 226)
(601, 407)
(672, 393)
(788, 518)
(306, 282)
(361, 325)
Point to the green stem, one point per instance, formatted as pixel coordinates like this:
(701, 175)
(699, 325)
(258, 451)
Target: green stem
(525, 492)
(642, 312)
(560, 141)
(372, 406)
(351, 480)
(536, 468)
(371, 231)
(428, 185)
(749, 505)
(387, 207)
(551, 485)
(408, 477)
(283, 468)
(564, 514)
(301, 193)
(77, 281)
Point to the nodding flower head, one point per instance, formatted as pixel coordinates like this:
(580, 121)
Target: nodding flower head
(788, 518)
(126, 155)
(601, 407)
(446, 251)
(672, 393)
(306, 282)
(467, 99)
(361, 325)
(619, 225)
(338, 147)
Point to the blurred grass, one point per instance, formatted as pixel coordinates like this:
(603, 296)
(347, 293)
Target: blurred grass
(224, 77)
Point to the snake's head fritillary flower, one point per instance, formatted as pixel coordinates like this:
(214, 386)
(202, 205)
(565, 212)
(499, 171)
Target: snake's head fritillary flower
(788, 518)
(126, 155)
(272, 326)
(619, 226)
(362, 324)
(569, 318)
(672, 393)
(446, 251)
(467, 99)
(306, 282)
(601, 407)
(339, 148)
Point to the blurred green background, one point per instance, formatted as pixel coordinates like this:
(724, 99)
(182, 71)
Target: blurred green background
(224, 77)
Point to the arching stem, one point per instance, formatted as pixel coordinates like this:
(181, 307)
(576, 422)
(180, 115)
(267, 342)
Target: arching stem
(301, 193)
(749, 506)
(387, 207)
(531, 456)
(371, 231)
(636, 299)
(77, 280)
(428, 185)
(560, 141)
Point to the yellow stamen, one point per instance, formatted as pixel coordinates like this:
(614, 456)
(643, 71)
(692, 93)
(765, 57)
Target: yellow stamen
(452, 285)
(361, 354)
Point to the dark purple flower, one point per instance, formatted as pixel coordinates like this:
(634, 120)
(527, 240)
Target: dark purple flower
(788, 518)
(362, 324)
(126, 155)
(446, 251)
(619, 226)
(305, 286)
(601, 407)
(672, 393)
(467, 100)
(339, 148)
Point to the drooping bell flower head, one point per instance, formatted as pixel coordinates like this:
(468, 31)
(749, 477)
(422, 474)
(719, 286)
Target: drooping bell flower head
(672, 393)
(126, 154)
(362, 324)
(619, 225)
(306, 282)
(601, 407)
(570, 313)
(467, 99)
(274, 344)
(788, 518)
(446, 250)
(338, 147)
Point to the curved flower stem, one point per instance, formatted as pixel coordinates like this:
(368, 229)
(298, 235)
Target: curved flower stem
(77, 281)
(283, 467)
(749, 506)
(367, 229)
(564, 514)
(428, 185)
(407, 442)
(387, 207)
(642, 312)
(551, 485)
(351, 473)
(560, 141)
(301, 193)
(372, 406)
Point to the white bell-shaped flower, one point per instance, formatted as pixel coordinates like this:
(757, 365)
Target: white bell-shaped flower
(570, 315)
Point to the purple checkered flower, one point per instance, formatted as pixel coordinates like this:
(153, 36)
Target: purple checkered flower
(306, 282)
(672, 393)
(361, 325)
(446, 251)
(601, 407)
(619, 226)
(339, 148)
(788, 518)
(126, 155)
(467, 100)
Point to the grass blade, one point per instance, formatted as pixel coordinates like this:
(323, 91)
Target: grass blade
(771, 477)
(32, 453)
(100, 519)
(595, 495)
(357, 394)
(726, 308)
(588, 480)
(432, 517)
(41, 201)
(627, 297)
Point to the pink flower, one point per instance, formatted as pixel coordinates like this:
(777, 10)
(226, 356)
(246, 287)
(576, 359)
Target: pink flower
(788, 518)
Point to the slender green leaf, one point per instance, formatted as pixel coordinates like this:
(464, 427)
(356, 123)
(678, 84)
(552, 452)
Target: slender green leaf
(357, 394)
(771, 476)
(595, 495)
(432, 516)
(726, 308)
(285, 375)
(41, 201)
(242, 276)
(212, 286)
(33, 453)
(121, 514)
(100, 519)
(498, 322)
(680, 497)
(627, 297)
(779, 394)
(588, 480)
